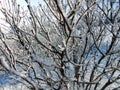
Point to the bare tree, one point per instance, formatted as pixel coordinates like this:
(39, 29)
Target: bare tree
(63, 45)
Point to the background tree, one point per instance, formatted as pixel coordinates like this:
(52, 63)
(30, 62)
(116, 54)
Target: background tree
(63, 45)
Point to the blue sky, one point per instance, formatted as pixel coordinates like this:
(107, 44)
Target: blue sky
(33, 2)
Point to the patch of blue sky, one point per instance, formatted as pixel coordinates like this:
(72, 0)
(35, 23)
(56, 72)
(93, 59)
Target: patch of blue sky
(7, 79)
(114, 2)
(32, 2)
(95, 52)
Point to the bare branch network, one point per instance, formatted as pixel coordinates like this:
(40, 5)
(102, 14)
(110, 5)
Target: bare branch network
(61, 44)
